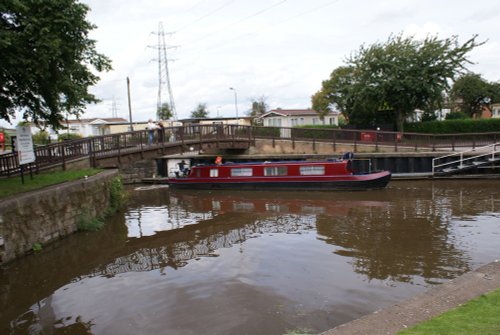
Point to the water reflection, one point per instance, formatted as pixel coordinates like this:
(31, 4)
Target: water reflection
(385, 241)
(187, 225)
(309, 259)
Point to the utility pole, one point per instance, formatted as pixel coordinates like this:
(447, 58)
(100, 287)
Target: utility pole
(129, 106)
(163, 74)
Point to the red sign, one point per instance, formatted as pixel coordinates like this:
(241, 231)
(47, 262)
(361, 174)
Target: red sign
(2, 138)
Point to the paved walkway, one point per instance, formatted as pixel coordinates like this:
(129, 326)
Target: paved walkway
(424, 306)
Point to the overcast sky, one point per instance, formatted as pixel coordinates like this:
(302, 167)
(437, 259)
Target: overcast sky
(280, 49)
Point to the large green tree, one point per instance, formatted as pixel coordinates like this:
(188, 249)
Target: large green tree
(200, 112)
(47, 60)
(400, 75)
(259, 106)
(471, 92)
(164, 112)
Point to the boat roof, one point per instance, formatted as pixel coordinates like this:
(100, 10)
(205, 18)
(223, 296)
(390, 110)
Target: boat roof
(334, 160)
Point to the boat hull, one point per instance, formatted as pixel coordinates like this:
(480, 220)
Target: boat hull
(369, 181)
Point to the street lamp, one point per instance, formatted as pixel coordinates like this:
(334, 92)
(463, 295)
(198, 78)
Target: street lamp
(235, 100)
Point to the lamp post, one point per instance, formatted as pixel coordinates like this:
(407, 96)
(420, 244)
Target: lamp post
(235, 100)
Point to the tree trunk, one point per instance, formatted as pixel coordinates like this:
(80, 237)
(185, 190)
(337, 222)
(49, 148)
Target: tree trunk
(400, 120)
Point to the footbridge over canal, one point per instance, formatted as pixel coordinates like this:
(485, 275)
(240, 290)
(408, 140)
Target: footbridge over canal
(394, 151)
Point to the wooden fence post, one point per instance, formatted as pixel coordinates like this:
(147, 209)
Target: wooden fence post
(63, 152)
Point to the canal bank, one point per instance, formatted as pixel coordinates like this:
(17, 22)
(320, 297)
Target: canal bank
(425, 306)
(30, 220)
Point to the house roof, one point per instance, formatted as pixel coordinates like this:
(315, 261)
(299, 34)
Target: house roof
(216, 119)
(294, 112)
(102, 120)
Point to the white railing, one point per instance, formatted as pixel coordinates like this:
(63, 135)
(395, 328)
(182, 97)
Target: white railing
(467, 158)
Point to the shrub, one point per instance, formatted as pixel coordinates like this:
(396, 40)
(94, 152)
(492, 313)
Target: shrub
(313, 131)
(66, 136)
(456, 116)
(454, 126)
(116, 196)
(88, 223)
(37, 247)
(267, 131)
(42, 137)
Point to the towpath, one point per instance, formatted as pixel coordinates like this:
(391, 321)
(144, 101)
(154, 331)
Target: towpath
(424, 306)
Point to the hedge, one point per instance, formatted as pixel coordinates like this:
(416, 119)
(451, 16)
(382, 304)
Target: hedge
(454, 126)
(267, 131)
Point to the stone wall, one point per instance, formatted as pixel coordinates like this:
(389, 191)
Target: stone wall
(136, 172)
(42, 216)
(280, 147)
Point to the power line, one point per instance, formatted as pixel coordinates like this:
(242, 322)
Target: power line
(195, 5)
(259, 12)
(309, 11)
(265, 27)
(205, 16)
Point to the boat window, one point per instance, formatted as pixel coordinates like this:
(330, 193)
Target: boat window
(241, 172)
(275, 171)
(214, 172)
(312, 170)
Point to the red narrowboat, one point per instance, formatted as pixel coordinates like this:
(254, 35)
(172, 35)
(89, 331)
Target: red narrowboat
(283, 175)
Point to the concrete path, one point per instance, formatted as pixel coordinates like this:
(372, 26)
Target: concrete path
(424, 306)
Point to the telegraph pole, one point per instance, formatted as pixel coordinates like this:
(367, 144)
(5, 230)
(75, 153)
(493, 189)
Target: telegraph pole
(129, 105)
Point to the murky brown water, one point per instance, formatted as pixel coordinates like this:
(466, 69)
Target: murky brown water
(252, 262)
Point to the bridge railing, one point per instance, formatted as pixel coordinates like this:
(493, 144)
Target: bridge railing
(394, 140)
(118, 144)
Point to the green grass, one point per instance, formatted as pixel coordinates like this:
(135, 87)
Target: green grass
(13, 185)
(479, 316)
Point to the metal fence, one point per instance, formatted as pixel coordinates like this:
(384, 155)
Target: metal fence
(118, 144)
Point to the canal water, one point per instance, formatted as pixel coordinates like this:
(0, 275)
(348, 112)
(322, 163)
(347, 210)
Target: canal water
(184, 262)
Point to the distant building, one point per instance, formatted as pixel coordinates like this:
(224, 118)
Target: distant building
(94, 126)
(495, 111)
(84, 127)
(240, 121)
(297, 117)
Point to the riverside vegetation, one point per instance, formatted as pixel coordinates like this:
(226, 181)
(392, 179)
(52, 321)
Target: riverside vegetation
(87, 222)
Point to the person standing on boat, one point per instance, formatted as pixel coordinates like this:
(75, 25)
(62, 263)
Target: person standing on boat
(183, 168)
(218, 160)
(151, 131)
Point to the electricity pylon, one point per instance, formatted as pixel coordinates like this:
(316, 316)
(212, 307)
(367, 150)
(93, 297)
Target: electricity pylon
(163, 75)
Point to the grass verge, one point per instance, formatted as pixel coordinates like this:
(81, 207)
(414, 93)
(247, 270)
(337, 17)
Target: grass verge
(478, 316)
(11, 186)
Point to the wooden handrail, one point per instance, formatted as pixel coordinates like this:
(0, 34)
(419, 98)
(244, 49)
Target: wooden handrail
(59, 153)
